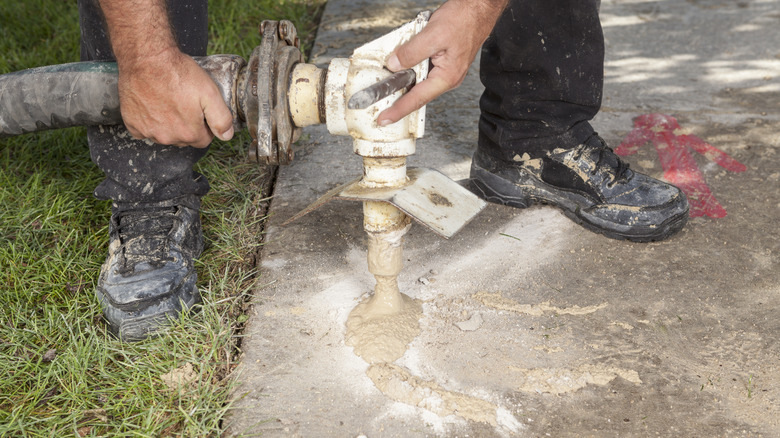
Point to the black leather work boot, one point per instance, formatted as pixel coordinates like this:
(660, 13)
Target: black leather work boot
(149, 275)
(592, 186)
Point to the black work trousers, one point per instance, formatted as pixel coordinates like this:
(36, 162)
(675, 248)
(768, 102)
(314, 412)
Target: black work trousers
(136, 170)
(543, 71)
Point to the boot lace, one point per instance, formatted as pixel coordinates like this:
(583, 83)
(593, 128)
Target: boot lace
(607, 160)
(144, 234)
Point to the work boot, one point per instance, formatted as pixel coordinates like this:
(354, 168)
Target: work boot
(149, 275)
(592, 186)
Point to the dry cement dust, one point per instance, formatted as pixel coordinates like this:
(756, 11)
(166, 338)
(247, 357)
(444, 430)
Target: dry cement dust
(381, 338)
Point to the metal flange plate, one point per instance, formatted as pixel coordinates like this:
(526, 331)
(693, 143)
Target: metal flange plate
(265, 94)
(430, 198)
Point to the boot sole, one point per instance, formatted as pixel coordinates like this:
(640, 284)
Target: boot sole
(139, 324)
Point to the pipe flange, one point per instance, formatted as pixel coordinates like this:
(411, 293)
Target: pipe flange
(264, 94)
(286, 131)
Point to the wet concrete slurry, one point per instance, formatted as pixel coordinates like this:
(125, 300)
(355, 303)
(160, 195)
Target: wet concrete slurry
(561, 332)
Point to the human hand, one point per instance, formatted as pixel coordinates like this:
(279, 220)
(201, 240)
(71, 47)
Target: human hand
(451, 39)
(169, 99)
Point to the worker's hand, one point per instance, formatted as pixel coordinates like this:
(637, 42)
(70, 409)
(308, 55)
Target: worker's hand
(451, 39)
(169, 99)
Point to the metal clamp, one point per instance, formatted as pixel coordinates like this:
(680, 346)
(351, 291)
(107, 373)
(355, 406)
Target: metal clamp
(264, 93)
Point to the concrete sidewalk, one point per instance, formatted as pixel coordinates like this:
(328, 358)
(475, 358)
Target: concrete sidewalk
(544, 328)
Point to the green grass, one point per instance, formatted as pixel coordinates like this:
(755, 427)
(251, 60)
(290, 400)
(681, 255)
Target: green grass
(53, 238)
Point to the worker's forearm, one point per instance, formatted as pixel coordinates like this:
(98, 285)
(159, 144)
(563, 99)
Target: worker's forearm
(164, 96)
(485, 12)
(497, 6)
(138, 29)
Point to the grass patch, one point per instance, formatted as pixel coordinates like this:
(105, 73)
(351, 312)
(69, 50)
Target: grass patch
(63, 375)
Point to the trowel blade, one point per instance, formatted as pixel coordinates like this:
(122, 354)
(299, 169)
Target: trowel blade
(430, 198)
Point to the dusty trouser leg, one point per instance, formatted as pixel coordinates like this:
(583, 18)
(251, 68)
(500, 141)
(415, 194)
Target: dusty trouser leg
(149, 275)
(543, 71)
(137, 171)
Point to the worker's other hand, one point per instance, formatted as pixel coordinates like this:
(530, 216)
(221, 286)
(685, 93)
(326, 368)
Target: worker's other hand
(451, 39)
(171, 100)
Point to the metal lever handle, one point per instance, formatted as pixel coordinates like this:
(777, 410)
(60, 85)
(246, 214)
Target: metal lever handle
(376, 92)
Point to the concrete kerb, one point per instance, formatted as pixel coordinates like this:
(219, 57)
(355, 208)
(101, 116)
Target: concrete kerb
(559, 331)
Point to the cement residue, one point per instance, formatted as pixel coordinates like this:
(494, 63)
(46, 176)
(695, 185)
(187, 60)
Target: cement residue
(499, 302)
(385, 251)
(398, 384)
(378, 335)
(182, 379)
(560, 380)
